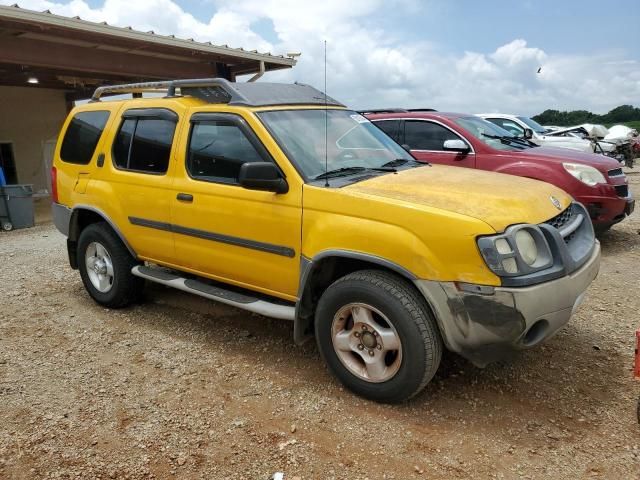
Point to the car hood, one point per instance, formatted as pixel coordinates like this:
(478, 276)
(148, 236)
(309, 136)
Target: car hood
(572, 143)
(560, 155)
(497, 199)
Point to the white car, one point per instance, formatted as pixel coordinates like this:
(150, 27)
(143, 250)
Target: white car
(519, 125)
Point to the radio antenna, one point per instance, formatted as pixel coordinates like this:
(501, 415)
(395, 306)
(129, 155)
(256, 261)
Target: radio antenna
(326, 122)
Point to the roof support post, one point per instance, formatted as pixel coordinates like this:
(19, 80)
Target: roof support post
(259, 74)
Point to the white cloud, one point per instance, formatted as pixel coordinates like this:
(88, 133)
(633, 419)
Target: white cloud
(368, 67)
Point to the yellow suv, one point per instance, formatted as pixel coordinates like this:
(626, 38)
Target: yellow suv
(277, 199)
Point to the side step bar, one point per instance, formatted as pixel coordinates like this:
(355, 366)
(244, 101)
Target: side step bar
(218, 294)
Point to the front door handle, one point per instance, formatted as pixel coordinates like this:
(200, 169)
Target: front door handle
(185, 197)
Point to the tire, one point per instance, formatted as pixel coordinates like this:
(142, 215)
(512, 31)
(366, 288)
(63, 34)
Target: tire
(395, 307)
(115, 290)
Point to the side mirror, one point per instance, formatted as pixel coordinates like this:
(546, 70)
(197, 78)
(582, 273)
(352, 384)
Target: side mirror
(262, 176)
(456, 146)
(528, 133)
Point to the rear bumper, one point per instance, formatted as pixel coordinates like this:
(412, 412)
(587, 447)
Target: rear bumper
(61, 216)
(487, 327)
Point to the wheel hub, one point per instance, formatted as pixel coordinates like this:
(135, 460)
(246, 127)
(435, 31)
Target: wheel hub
(366, 342)
(369, 340)
(99, 267)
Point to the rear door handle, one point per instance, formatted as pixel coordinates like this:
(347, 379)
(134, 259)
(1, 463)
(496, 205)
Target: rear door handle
(185, 197)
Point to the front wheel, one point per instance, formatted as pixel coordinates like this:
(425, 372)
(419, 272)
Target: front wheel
(378, 336)
(105, 267)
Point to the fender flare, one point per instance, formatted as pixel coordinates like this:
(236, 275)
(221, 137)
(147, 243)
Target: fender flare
(74, 232)
(310, 266)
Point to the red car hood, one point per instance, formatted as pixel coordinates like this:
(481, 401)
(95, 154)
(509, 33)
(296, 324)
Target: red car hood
(559, 155)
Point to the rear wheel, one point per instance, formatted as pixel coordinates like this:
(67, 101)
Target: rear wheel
(105, 267)
(378, 336)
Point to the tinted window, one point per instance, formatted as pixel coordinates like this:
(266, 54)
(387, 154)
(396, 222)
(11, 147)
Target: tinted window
(217, 150)
(509, 125)
(421, 135)
(390, 127)
(82, 136)
(144, 145)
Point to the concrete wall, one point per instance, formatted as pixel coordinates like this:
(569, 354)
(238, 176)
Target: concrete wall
(30, 119)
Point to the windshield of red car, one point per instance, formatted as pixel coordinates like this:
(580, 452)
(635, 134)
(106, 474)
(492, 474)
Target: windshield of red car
(491, 134)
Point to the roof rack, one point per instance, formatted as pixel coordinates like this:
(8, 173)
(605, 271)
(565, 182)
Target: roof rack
(220, 90)
(170, 86)
(383, 110)
(396, 110)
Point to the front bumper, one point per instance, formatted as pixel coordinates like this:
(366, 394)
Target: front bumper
(487, 326)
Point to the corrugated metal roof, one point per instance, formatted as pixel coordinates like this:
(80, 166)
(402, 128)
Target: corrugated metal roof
(17, 13)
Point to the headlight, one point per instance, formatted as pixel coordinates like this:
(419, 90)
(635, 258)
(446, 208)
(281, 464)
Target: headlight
(527, 247)
(521, 250)
(584, 173)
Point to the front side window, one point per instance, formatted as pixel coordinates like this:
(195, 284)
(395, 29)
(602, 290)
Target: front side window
(82, 136)
(144, 145)
(345, 139)
(217, 150)
(422, 135)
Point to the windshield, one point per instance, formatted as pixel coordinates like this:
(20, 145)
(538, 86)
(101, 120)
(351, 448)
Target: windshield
(491, 134)
(533, 125)
(352, 141)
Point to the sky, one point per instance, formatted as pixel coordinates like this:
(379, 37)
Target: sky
(465, 56)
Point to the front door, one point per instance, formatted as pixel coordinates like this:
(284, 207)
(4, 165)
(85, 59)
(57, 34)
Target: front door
(426, 139)
(226, 232)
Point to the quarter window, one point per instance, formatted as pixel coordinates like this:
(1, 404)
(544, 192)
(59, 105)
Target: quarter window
(422, 135)
(144, 145)
(82, 136)
(217, 150)
(390, 127)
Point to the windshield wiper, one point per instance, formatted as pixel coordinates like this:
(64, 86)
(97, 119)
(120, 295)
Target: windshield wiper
(506, 139)
(397, 162)
(339, 172)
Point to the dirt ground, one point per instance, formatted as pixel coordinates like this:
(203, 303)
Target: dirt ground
(178, 387)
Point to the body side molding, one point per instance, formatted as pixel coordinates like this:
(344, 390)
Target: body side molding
(216, 237)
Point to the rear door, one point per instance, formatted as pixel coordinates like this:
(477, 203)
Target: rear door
(136, 176)
(426, 138)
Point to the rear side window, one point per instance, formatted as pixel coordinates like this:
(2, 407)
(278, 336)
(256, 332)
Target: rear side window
(82, 136)
(217, 150)
(143, 144)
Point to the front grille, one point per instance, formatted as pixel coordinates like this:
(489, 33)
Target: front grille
(622, 190)
(616, 172)
(561, 219)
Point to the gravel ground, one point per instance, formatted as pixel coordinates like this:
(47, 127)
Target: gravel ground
(184, 388)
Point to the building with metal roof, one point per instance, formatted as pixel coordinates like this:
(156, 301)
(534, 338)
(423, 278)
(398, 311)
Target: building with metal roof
(48, 61)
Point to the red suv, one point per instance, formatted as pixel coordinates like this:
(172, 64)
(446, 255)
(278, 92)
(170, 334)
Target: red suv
(463, 140)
